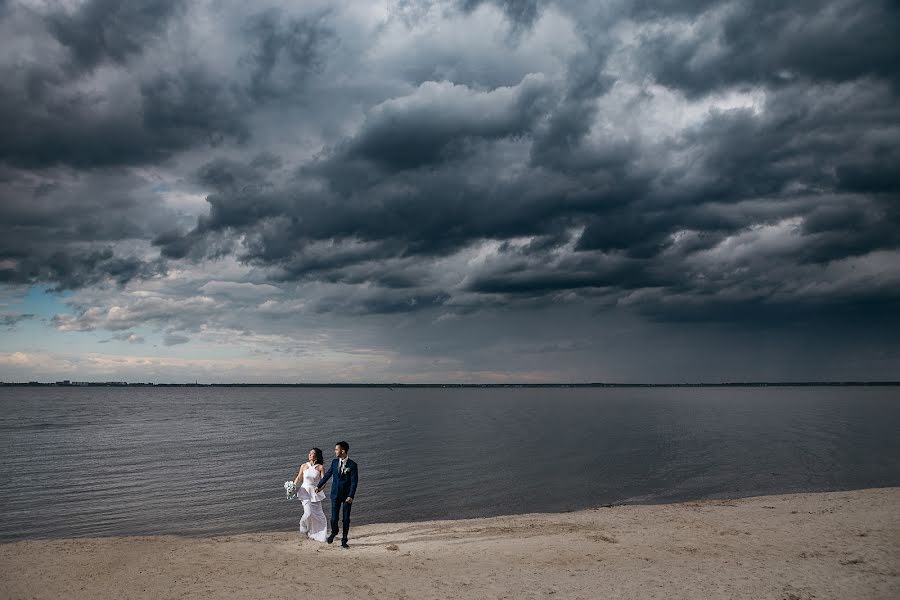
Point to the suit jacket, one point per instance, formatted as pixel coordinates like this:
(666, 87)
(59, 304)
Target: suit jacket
(342, 486)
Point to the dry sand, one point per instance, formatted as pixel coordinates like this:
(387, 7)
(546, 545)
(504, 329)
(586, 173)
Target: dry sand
(830, 545)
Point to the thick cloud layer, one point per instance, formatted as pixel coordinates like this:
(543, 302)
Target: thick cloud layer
(721, 162)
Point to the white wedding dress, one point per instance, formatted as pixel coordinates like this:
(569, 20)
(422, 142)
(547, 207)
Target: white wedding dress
(313, 523)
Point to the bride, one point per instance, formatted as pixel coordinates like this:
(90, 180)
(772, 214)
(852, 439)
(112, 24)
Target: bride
(313, 523)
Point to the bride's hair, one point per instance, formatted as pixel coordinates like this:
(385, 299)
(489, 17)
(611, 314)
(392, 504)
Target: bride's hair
(318, 452)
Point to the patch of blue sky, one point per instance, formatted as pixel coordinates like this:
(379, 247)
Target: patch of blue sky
(41, 303)
(39, 334)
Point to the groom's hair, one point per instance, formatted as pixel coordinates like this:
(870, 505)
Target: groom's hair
(344, 446)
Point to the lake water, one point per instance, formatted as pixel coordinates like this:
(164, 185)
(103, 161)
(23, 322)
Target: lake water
(200, 461)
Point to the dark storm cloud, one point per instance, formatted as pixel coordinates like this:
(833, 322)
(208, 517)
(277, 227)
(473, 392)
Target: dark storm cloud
(336, 159)
(522, 13)
(169, 112)
(837, 232)
(109, 30)
(634, 232)
(416, 180)
(378, 217)
(436, 123)
(772, 43)
(581, 271)
(372, 213)
(54, 112)
(875, 173)
(380, 302)
(652, 10)
(100, 92)
(62, 228)
(802, 137)
(76, 269)
(790, 161)
(806, 143)
(58, 110)
(283, 52)
(558, 141)
(340, 263)
(758, 304)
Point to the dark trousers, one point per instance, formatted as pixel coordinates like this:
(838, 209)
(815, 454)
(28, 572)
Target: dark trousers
(337, 505)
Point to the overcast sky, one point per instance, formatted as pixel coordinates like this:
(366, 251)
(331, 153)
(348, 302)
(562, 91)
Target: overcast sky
(318, 191)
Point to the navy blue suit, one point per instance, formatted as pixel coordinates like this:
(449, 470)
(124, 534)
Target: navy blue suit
(342, 487)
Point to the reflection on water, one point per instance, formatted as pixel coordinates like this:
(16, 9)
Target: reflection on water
(198, 461)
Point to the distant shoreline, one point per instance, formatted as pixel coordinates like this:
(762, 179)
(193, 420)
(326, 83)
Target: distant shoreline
(459, 385)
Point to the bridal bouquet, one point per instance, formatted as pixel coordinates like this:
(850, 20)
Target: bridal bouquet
(290, 489)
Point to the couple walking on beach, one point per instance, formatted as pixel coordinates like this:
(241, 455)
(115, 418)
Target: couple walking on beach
(312, 478)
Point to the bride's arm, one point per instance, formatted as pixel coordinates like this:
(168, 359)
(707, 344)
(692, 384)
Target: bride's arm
(325, 477)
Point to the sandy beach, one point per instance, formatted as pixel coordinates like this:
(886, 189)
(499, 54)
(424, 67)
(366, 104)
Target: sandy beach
(798, 546)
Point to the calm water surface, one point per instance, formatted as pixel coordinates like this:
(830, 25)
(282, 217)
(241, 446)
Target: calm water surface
(200, 461)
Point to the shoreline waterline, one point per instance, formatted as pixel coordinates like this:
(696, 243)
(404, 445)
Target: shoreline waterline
(650, 502)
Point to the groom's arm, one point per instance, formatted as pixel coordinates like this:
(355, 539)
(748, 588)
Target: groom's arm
(354, 478)
(325, 477)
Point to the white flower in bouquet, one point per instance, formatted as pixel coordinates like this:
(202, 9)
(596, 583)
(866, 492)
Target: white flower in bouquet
(290, 489)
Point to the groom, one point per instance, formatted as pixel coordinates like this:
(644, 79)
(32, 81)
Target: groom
(343, 488)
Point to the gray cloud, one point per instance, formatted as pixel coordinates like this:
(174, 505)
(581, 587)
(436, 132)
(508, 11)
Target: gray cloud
(522, 13)
(682, 162)
(434, 124)
(173, 339)
(131, 338)
(77, 270)
(101, 31)
(759, 43)
(10, 320)
(73, 229)
(108, 88)
(284, 52)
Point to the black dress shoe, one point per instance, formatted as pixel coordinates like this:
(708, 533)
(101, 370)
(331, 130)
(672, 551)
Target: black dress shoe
(330, 539)
(345, 545)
